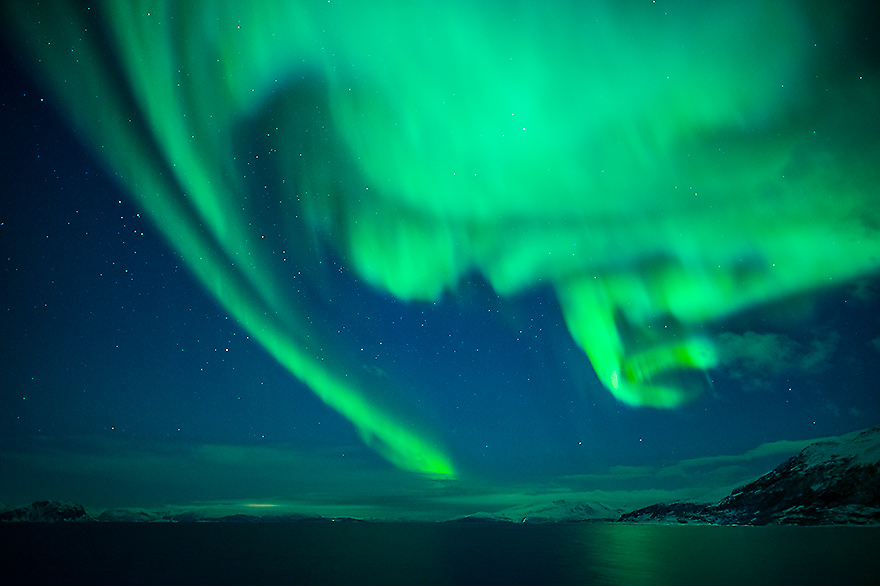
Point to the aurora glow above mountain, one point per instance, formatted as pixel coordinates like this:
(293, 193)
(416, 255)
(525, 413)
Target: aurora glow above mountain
(628, 216)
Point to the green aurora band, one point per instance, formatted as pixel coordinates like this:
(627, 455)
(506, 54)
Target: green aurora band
(660, 165)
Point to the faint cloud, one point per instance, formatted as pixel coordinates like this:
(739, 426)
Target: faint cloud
(754, 353)
(865, 289)
(754, 357)
(631, 471)
(375, 370)
(831, 408)
(777, 448)
(819, 352)
(705, 478)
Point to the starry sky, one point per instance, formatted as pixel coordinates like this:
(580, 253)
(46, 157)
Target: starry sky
(131, 377)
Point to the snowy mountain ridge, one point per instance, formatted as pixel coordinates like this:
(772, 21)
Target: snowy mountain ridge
(859, 448)
(831, 482)
(834, 481)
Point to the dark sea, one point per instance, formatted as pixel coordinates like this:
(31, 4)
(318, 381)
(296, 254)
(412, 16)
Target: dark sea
(435, 553)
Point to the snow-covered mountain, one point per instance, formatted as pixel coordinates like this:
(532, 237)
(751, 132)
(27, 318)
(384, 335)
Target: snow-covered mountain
(835, 481)
(831, 482)
(559, 511)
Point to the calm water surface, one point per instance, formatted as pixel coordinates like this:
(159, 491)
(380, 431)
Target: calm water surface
(422, 553)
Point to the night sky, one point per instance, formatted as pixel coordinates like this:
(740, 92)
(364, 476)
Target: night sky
(127, 381)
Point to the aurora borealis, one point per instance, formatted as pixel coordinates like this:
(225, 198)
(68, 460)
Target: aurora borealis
(636, 186)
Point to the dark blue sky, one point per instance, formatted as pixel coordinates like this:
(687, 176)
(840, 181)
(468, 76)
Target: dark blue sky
(111, 348)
